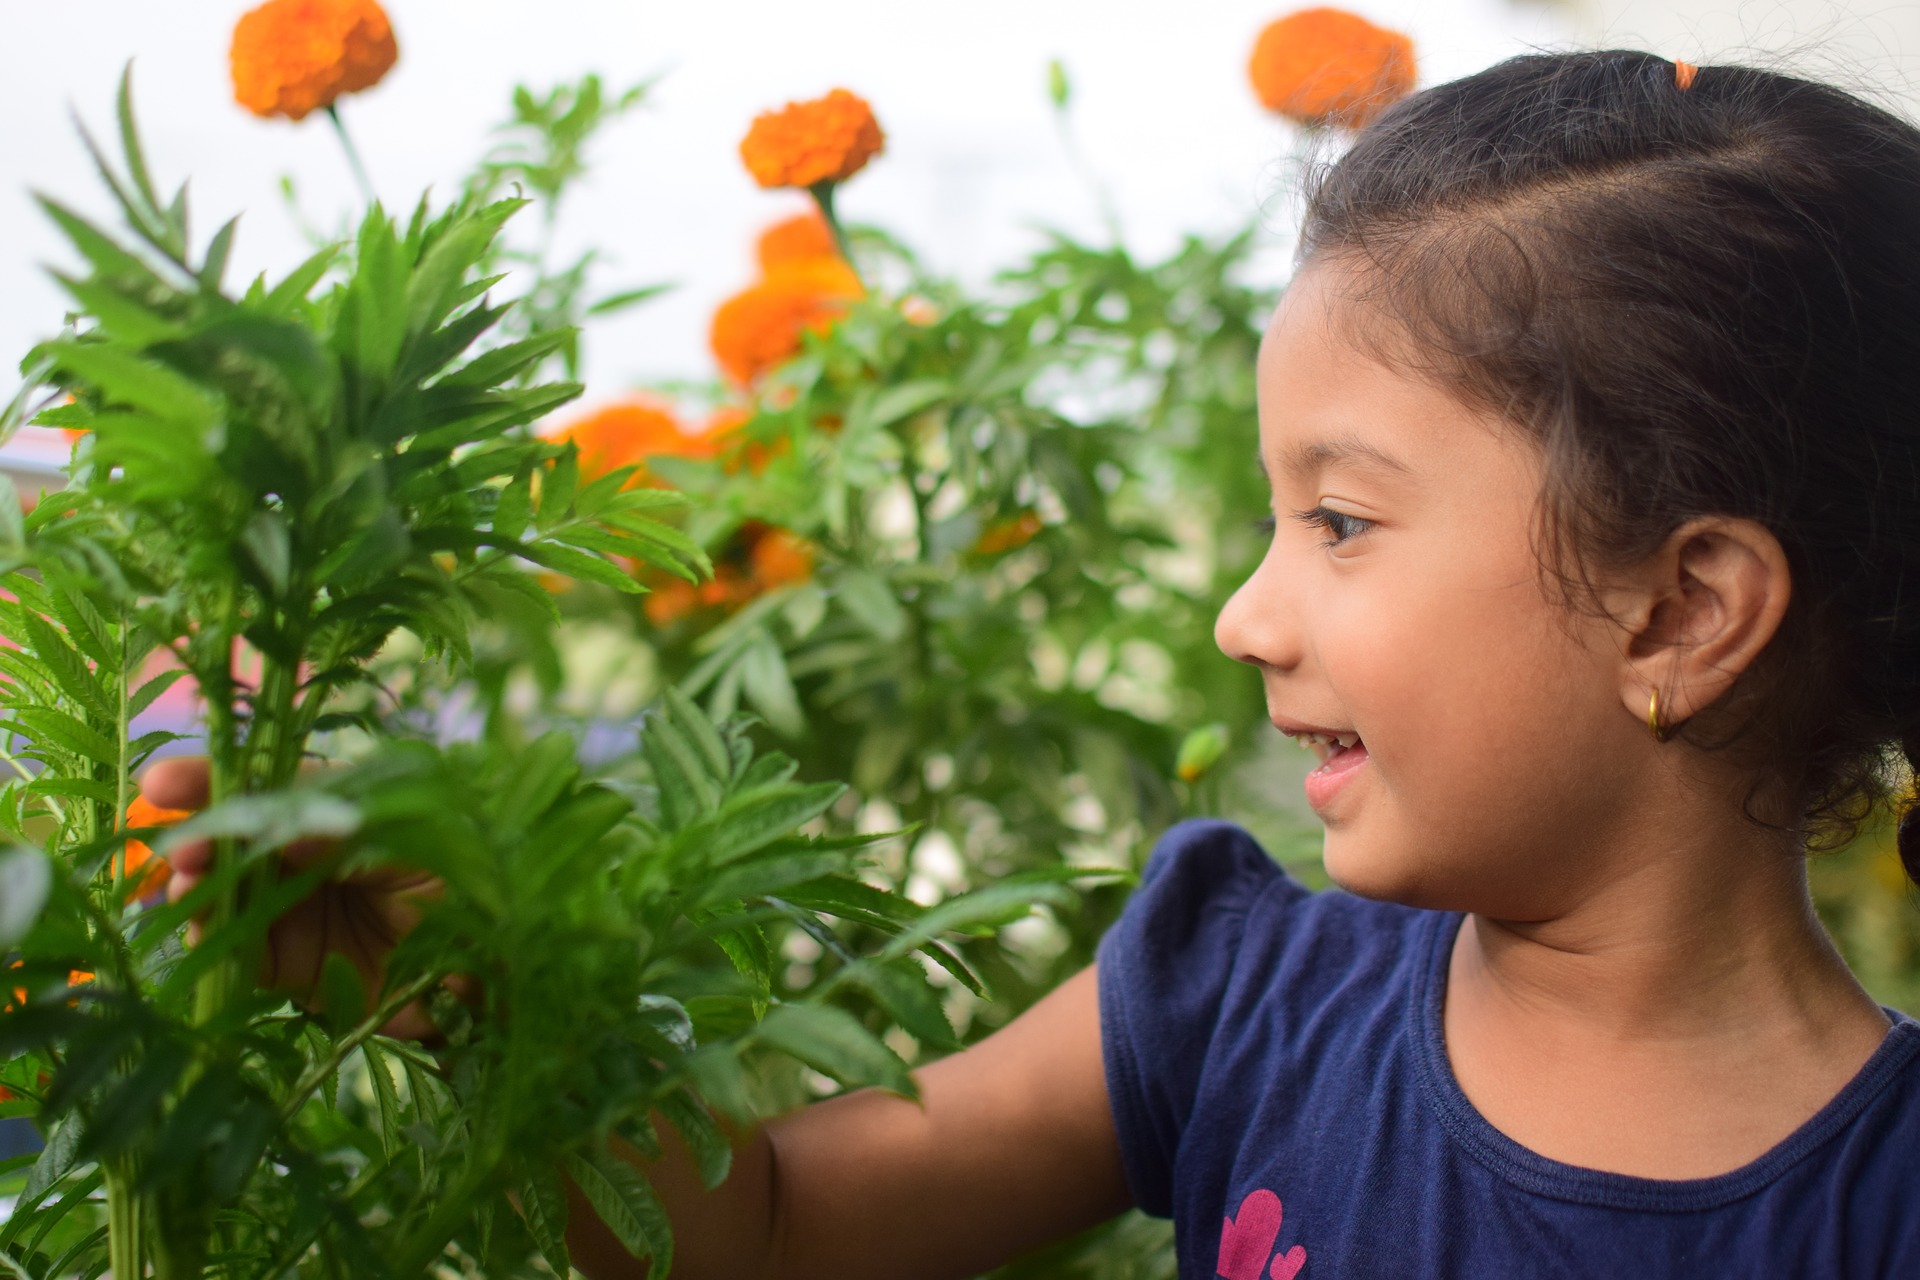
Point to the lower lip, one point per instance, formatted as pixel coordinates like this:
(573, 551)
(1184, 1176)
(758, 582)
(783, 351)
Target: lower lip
(1326, 782)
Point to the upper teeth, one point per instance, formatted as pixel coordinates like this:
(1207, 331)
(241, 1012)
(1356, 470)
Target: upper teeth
(1344, 740)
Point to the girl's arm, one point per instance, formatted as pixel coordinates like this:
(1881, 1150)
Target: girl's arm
(1010, 1146)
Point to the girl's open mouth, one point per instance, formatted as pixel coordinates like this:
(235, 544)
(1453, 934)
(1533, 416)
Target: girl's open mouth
(1338, 764)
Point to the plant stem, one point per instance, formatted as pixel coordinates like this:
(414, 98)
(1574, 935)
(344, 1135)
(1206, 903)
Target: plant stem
(822, 193)
(344, 1047)
(353, 154)
(123, 1222)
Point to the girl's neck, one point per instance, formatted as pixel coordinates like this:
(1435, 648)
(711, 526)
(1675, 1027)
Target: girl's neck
(1682, 1019)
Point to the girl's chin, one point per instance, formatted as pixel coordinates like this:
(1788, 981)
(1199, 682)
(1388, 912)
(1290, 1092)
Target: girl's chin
(1369, 871)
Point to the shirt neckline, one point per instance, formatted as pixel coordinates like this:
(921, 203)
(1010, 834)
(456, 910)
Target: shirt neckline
(1540, 1175)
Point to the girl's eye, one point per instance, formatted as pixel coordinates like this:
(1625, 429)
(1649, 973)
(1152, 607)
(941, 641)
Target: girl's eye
(1337, 523)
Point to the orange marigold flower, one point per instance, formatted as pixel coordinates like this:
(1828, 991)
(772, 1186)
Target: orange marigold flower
(779, 558)
(1006, 535)
(805, 143)
(796, 239)
(670, 600)
(760, 327)
(144, 813)
(1328, 66)
(629, 433)
(291, 57)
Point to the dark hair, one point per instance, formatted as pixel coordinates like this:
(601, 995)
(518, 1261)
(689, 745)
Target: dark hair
(1699, 301)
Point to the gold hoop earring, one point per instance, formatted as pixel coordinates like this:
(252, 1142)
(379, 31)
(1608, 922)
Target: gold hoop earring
(1653, 719)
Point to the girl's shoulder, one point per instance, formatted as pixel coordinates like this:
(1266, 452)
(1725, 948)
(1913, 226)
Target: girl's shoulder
(1216, 917)
(1224, 969)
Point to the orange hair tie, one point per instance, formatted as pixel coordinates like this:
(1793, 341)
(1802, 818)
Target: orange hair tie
(1683, 74)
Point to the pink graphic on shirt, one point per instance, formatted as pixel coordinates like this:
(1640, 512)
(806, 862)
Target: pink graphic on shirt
(1247, 1240)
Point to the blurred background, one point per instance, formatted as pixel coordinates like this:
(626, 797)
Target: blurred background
(1161, 112)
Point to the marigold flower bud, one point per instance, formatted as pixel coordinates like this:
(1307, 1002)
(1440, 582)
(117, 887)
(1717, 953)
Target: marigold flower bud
(290, 57)
(806, 143)
(1200, 751)
(1328, 66)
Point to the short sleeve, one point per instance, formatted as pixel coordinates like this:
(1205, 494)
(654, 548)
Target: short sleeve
(1164, 969)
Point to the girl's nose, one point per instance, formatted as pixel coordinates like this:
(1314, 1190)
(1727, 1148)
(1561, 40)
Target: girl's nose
(1257, 624)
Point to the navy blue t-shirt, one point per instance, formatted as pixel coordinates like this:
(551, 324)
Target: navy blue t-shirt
(1281, 1089)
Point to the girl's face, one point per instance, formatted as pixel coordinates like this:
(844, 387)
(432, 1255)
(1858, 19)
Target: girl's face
(1401, 601)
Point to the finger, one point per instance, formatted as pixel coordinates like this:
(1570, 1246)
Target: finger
(180, 782)
(191, 859)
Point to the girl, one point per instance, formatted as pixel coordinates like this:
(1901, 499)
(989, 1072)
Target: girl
(1590, 419)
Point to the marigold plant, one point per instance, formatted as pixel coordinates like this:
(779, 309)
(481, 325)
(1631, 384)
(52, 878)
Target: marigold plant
(808, 143)
(1327, 66)
(762, 326)
(292, 57)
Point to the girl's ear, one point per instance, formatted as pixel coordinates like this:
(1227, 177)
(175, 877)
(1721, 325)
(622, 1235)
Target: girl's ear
(1698, 612)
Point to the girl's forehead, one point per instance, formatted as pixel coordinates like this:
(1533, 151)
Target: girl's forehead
(1330, 393)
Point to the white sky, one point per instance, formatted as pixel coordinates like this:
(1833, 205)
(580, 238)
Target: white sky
(1162, 108)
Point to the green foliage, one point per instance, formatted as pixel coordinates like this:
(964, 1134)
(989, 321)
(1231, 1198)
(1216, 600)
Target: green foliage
(273, 484)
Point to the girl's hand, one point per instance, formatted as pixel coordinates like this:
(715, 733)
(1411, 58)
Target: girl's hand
(358, 917)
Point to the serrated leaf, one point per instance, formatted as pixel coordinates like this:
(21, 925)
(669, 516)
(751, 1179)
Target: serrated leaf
(627, 1205)
(63, 731)
(543, 1204)
(57, 1157)
(386, 1097)
(581, 565)
(712, 1153)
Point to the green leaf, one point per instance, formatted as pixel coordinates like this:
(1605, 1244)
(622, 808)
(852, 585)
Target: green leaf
(386, 1097)
(266, 542)
(833, 1042)
(147, 693)
(712, 1153)
(691, 720)
(543, 1204)
(898, 402)
(581, 565)
(769, 688)
(992, 906)
(133, 380)
(57, 1158)
(627, 298)
(118, 314)
(514, 507)
(871, 601)
(57, 728)
(627, 1205)
(752, 820)
(68, 669)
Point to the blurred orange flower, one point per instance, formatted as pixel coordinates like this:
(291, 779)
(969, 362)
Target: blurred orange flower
(144, 813)
(629, 433)
(806, 143)
(761, 326)
(796, 239)
(1328, 66)
(1006, 535)
(759, 558)
(291, 57)
(779, 558)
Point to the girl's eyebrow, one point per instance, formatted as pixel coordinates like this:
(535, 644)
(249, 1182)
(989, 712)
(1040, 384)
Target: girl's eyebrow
(1304, 460)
